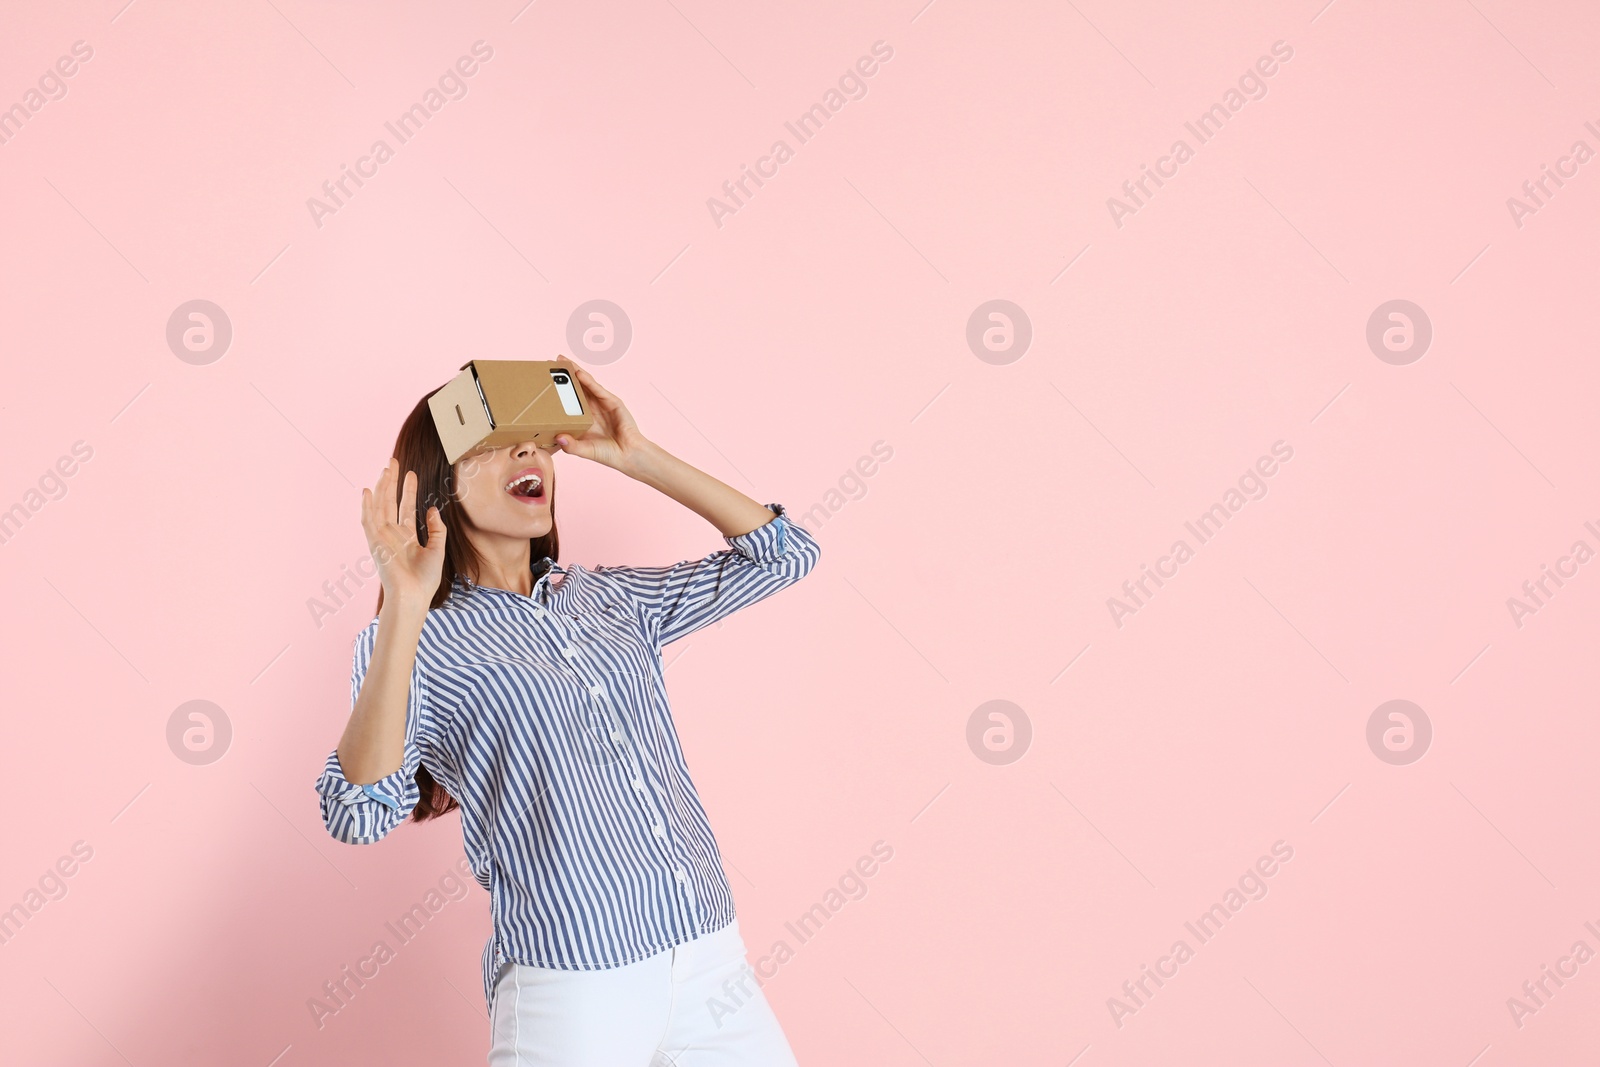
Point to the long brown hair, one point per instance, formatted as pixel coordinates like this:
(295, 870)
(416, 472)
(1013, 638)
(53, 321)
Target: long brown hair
(418, 449)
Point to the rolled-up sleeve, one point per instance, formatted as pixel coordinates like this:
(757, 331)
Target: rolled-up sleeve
(683, 597)
(362, 814)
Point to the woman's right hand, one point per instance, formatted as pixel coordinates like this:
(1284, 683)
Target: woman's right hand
(409, 570)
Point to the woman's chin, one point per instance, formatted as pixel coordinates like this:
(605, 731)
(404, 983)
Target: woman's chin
(515, 528)
(534, 526)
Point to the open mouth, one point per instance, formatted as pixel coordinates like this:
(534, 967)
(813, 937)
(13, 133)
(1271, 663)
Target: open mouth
(529, 485)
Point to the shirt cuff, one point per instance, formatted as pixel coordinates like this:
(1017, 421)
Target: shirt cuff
(387, 801)
(386, 790)
(766, 542)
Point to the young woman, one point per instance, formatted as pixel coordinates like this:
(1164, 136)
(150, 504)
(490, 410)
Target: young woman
(531, 696)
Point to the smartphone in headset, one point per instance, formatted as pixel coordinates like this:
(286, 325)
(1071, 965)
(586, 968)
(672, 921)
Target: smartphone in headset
(565, 390)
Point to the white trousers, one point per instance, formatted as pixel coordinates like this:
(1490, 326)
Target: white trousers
(695, 1005)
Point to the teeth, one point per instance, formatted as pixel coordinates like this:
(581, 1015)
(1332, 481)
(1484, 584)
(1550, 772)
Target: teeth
(511, 487)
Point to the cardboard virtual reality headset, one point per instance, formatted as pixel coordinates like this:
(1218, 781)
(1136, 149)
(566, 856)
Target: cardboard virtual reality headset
(497, 402)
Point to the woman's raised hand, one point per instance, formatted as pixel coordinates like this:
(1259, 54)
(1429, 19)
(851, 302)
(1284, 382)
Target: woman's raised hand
(410, 571)
(614, 439)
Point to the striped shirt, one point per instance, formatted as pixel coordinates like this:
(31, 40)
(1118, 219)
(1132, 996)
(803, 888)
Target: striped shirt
(546, 717)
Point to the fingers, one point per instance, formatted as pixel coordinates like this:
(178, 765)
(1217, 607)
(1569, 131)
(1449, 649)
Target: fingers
(373, 515)
(593, 386)
(383, 496)
(408, 503)
(608, 404)
(436, 530)
(593, 451)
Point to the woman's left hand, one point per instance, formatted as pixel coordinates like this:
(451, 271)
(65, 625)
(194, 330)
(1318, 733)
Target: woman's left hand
(614, 438)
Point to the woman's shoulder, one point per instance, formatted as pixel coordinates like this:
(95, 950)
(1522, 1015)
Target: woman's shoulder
(434, 624)
(601, 581)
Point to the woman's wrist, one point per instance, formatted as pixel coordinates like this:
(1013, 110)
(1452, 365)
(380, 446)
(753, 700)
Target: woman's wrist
(645, 461)
(403, 614)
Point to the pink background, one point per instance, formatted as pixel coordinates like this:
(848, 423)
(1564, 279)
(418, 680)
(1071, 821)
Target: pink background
(829, 313)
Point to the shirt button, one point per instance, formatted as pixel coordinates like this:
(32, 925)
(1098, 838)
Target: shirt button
(616, 735)
(569, 652)
(680, 875)
(638, 783)
(660, 831)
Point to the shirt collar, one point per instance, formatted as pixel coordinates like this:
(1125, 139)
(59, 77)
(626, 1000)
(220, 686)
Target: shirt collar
(544, 567)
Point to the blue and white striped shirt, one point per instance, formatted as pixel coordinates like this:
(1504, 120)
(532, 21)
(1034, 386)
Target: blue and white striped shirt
(546, 717)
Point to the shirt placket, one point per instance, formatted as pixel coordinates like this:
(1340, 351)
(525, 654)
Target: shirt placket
(626, 749)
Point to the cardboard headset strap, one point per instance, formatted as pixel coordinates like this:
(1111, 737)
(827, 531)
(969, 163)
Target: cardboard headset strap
(497, 402)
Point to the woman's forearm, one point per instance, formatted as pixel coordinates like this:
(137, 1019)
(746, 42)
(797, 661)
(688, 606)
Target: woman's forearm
(730, 511)
(373, 745)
